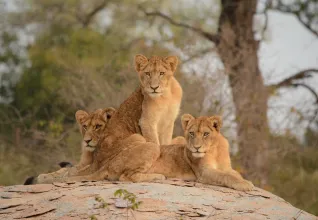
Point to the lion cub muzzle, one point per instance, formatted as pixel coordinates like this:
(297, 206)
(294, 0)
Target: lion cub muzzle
(196, 151)
(89, 143)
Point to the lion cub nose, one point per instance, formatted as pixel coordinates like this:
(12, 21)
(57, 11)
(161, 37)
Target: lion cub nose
(87, 140)
(197, 147)
(154, 88)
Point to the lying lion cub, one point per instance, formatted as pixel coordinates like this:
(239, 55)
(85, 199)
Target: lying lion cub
(130, 160)
(98, 120)
(205, 156)
(89, 142)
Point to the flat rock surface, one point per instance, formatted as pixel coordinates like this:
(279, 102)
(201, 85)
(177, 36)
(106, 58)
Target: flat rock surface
(169, 199)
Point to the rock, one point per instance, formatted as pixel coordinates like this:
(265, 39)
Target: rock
(39, 188)
(41, 209)
(5, 204)
(169, 199)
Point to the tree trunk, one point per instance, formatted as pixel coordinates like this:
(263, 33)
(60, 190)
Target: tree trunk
(238, 51)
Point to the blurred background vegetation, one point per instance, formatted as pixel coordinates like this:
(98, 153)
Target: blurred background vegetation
(58, 56)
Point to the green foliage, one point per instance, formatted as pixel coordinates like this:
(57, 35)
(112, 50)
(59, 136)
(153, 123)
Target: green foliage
(18, 163)
(34, 156)
(93, 217)
(294, 173)
(11, 58)
(129, 197)
(102, 202)
(311, 137)
(296, 185)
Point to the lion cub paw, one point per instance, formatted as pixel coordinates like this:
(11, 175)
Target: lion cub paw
(45, 178)
(244, 185)
(158, 177)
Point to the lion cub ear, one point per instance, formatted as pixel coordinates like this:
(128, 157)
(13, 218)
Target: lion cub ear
(79, 115)
(140, 61)
(172, 61)
(108, 112)
(216, 122)
(185, 119)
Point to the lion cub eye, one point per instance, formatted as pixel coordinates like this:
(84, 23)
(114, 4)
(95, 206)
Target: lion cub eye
(162, 73)
(191, 134)
(85, 127)
(147, 73)
(206, 134)
(98, 126)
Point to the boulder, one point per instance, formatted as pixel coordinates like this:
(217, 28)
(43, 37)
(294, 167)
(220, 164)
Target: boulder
(169, 199)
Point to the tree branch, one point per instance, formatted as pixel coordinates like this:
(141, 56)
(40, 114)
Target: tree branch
(211, 37)
(313, 92)
(300, 9)
(290, 80)
(307, 26)
(88, 18)
(197, 55)
(308, 88)
(268, 5)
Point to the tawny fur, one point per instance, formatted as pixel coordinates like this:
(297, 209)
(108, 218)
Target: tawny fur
(98, 118)
(162, 97)
(121, 167)
(178, 140)
(144, 112)
(92, 126)
(116, 146)
(205, 156)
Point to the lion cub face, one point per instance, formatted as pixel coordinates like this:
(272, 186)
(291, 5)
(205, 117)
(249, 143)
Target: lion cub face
(201, 133)
(92, 126)
(155, 73)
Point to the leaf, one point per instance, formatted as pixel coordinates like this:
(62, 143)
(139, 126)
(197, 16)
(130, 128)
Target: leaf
(93, 217)
(118, 192)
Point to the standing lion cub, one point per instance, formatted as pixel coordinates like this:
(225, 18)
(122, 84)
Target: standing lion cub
(162, 97)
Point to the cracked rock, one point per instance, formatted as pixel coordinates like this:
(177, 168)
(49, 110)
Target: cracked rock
(168, 199)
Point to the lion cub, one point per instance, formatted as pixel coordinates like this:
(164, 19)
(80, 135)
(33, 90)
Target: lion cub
(91, 126)
(99, 117)
(205, 156)
(162, 97)
(129, 160)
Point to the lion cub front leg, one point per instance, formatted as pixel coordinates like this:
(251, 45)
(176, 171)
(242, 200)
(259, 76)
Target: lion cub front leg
(165, 134)
(52, 177)
(86, 159)
(96, 176)
(210, 175)
(63, 174)
(166, 123)
(149, 129)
